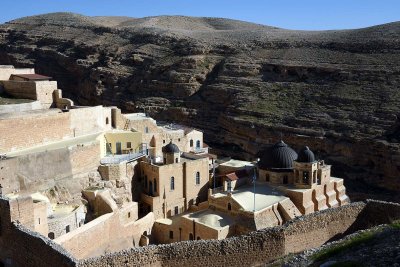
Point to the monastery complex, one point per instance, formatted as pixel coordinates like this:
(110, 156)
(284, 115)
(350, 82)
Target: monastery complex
(94, 181)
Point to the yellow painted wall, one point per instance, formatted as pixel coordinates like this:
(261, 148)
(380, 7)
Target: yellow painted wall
(124, 137)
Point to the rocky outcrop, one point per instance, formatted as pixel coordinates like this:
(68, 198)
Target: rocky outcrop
(243, 84)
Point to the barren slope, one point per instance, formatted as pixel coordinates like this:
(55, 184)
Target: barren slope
(243, 83)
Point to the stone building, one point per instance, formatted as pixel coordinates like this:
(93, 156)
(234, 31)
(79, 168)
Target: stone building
(171, 187)
(288, 185)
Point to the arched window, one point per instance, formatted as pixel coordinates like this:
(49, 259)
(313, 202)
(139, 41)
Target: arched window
(191, 142)
(198, 238)
(197, 177)
(198, 144)
(172, 184)
(229, 206)
(176, 160)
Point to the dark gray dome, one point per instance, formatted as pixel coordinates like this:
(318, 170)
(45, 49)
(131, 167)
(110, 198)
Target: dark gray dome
(306, 155)
(278, 156)
(170, 148)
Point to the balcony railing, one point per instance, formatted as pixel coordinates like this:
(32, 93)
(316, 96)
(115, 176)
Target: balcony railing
(116, 159)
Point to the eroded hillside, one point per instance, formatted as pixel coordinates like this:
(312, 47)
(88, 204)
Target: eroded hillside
(243, 84)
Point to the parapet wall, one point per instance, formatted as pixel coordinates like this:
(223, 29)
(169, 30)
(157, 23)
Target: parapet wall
(35, 90)
(251, 249)
(260, 246)
(14, 108)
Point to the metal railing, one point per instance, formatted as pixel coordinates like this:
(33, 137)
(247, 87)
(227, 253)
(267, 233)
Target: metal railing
(116, 159)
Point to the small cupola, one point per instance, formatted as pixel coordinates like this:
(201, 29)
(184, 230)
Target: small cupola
(306, 155)
(171, 153)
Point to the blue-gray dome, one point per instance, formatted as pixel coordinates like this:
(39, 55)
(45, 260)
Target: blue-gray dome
(306, 155)
(170, 148)
(278, 156)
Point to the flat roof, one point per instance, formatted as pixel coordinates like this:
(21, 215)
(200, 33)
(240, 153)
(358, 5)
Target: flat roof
(237, 163)
(265, 196)
(32, 77)
(210, 218)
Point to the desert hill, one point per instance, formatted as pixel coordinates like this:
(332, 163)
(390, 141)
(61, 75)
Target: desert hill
(244, 84)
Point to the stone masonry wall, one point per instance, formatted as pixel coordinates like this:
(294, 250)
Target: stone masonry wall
(254, 248)
(19, 132)
(20, 246)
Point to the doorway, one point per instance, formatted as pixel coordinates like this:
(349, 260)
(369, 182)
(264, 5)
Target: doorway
(118, 148)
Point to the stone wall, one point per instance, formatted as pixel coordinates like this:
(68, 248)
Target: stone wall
(65, 168)
(252, 249)
(20, 246)
(35, 90)
(260, 246)
(27, 130)
(7, 70)
(106, 233)
(20, 107)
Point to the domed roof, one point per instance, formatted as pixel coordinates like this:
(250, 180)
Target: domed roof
(170, 148)
(306, 155)
(279, 156)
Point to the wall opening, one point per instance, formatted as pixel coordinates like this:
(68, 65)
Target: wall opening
(190, 236)
(67, 229)
(229, 206)
(107, 121)
(171, 234)
(176, 210)
(51, 235)
(285, 179)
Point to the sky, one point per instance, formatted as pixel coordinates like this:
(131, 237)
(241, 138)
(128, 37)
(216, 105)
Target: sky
(289, 14)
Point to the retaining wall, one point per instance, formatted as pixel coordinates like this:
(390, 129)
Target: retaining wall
(252, 249)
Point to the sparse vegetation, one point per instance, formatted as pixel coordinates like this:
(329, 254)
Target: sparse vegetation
(329, 252)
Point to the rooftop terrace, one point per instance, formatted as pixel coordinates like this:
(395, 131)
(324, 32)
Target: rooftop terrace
(265, 196)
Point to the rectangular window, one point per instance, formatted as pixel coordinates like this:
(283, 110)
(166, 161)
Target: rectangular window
(163, 141)
(171, 234)
(172, 185)
(129, 214)
(176, 210)
(128, 145)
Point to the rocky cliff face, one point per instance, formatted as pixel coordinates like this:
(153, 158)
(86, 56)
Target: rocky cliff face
(243, 84)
